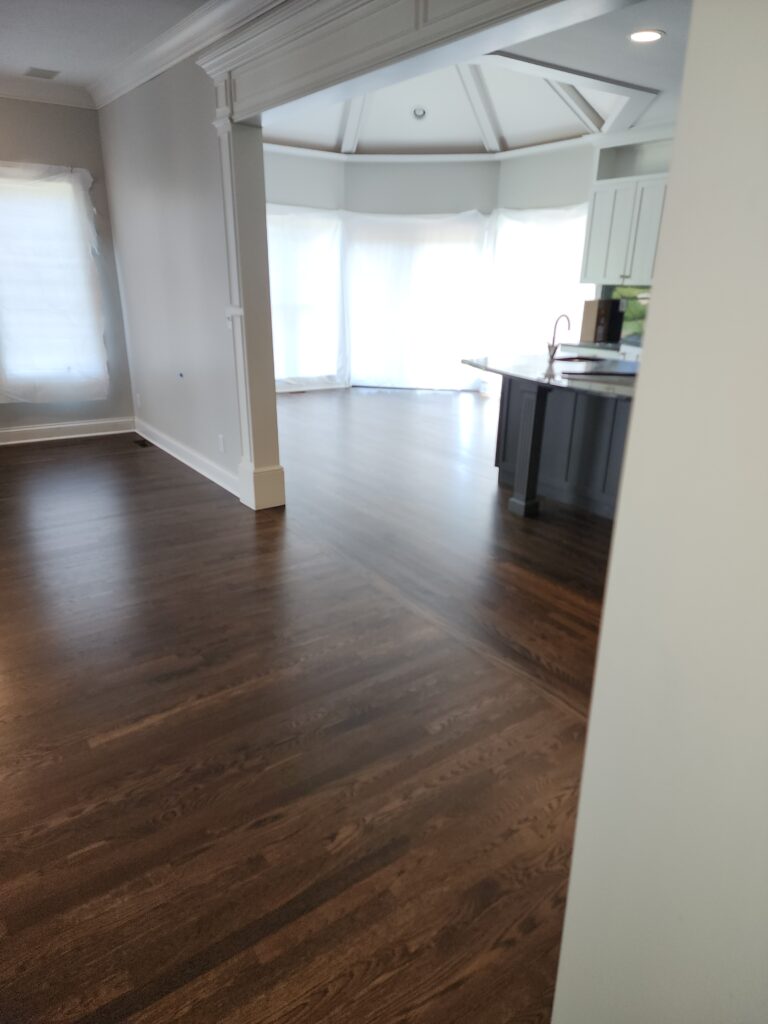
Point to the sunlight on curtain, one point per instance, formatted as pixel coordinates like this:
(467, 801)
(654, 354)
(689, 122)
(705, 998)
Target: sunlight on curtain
(416, 297)
(305, 270)
(51, 326)
(398, 301)
(536, 274)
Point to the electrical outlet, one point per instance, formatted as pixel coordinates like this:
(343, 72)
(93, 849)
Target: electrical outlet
(222, 446)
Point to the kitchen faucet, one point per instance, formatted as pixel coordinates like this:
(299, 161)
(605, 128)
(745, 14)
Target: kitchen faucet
(553, 347)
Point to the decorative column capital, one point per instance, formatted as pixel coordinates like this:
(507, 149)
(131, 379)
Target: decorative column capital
(223, 86)
(223, 125)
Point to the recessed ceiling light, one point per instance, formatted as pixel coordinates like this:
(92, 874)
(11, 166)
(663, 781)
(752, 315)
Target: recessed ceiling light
(419, 113)
(647, 35)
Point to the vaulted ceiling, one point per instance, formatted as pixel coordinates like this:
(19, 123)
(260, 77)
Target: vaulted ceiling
(584, 80)
(488, 106)
(493, 104)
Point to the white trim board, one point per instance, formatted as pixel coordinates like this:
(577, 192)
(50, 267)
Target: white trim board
(63, 431)
(202, 465)
(124, 425)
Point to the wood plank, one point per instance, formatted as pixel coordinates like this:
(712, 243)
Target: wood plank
(315, 764)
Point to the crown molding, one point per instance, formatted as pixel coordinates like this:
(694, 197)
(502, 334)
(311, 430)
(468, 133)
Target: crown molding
(38, 90)
(201, 29)
(285, 23)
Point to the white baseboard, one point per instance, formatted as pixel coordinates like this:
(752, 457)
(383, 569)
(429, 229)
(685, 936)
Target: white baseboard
(201, 464)
(127, 425)
(61, 431)
(262, 487)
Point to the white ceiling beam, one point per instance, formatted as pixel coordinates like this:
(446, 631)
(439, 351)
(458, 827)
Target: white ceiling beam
(627, 115)
(580, 107)
(482, 106)
(353, 123)
(638, 98)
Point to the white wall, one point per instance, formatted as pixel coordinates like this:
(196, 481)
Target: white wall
(304, 181)
(561, 178)
(68, 136)
(667, 918)
(164, 176)
(421, 187)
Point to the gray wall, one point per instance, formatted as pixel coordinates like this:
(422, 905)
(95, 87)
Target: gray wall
(561, 178)
(380, 187)
(304, 181)
(421, 188)
(44, 133)
(163, 170)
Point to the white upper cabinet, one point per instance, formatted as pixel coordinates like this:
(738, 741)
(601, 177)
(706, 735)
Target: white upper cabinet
(623, 230)
(649, 207)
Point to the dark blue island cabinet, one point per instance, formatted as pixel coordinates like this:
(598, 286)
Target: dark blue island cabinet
(581, 445)
(560, 438)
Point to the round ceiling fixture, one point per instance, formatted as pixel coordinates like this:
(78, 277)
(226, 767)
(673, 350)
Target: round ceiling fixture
(647, 35)
(419, 113)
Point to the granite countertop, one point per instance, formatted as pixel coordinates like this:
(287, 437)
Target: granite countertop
(541, 371)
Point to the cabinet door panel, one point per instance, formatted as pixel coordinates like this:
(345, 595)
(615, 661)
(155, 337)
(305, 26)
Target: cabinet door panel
(621, 232)
(608, 234)
(598, 233)
(648, 213)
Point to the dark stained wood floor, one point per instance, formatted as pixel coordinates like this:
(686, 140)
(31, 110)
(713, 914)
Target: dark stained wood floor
(315, 766)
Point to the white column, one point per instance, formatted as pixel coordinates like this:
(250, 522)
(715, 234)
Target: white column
(262, 482)
(667, 916)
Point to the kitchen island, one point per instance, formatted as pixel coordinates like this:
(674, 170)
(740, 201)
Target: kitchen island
(560, 437)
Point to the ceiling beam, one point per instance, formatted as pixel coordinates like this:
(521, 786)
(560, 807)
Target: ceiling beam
(637, 98)
(353, 123)
(482, 106)
(627, 115)
(578, 105)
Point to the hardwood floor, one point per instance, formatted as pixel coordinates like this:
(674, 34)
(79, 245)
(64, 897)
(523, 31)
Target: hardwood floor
(404, 486)
(315, 766)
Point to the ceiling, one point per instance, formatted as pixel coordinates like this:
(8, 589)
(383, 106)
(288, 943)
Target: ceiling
(490, 105)
(82, 39)
(498, 103)
(603, 47)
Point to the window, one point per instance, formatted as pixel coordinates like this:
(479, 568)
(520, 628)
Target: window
(635, 303)
(305, 286)
(416, 292)
(397, 301)
(537, 271)
(51, 331)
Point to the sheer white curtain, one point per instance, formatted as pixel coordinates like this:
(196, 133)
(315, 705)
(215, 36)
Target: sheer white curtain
(305, 271)
(417, 298)
(536, 270)
(51, 324)
(398, 301)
